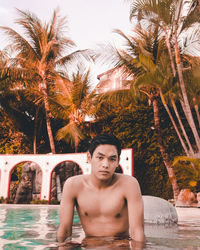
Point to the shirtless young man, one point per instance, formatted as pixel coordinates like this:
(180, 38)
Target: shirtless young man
(108, 204)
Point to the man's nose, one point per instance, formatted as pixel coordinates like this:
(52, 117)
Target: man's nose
(105, 163)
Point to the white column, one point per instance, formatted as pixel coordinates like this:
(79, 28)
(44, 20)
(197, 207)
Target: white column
(46, 183)
(4, 181)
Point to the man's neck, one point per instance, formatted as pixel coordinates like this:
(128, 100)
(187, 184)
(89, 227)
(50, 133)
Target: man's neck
(101, 184)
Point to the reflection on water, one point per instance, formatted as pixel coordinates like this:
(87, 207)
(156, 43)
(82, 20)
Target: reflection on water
(176, 237)
(25, 228)
(34, 227)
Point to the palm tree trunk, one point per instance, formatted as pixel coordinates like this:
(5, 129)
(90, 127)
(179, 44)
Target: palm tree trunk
(76, 144)
(35, 131)
(164, 154)
(191, 151)
(199, 6)
(174, 124)
(196, 107)
(49, 130)
(184, 94)
(48, 120)
(169, 51)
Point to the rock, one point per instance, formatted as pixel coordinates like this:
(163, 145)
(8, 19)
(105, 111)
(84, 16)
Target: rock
(186, 198)
(62, 172)
(24, 191)
(67, 169)
(30, 185)
(159, 211)
(161, 231)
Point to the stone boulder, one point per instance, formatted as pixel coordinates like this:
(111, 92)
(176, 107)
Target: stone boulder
(67, 169)
(60, 174)
(159, 211)
(30, 184)
(24, 191)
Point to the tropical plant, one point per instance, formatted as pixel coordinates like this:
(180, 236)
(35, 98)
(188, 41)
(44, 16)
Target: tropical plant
(149, 82)
(74, 102)
(187, 170)
(38, 60)
(174, 18)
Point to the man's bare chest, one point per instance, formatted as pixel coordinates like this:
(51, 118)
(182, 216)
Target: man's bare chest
(107, 203)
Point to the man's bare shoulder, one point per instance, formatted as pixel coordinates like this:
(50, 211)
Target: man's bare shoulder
(74, 183)
(75, 180)
(127, 179)
(128, 183)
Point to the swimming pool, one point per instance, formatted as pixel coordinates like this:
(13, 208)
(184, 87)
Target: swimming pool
(35, 226)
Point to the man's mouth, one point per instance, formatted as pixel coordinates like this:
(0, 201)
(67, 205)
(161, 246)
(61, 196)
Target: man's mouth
(104, 172)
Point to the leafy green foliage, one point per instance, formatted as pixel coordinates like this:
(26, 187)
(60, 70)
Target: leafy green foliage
(187, 171)
(11, 140)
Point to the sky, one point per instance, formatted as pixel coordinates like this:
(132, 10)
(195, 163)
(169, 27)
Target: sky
(89, 21)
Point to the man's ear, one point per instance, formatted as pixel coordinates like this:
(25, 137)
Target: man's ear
(89, 157)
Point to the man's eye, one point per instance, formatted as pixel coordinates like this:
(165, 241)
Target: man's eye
(113, 159)
(100, 157)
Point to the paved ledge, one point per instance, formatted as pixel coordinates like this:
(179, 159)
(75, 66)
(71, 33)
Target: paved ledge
(32, 206)
(188, 213)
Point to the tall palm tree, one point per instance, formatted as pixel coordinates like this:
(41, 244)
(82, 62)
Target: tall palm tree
(39, 56)
(73, 103)
(174, 17)
(149, 83)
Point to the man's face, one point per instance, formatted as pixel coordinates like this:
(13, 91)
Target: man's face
(104, 161)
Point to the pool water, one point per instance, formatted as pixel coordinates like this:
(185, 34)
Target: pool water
(35, 226)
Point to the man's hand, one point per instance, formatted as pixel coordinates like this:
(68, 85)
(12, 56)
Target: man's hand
(68, 245)
(138, 245)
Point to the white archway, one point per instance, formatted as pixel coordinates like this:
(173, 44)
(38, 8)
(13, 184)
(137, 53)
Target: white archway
(47, 162)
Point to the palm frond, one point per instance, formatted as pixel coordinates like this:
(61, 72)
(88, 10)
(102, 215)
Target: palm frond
(75, 57)
(69, 133)
(192, 15)
(21, 44)
(190, 44)
(115, 97)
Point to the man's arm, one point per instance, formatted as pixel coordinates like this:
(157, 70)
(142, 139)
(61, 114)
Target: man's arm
(66, 211)
(135, 210)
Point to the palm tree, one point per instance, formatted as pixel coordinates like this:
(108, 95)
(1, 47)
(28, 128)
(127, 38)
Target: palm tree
(174, 17)
(191, 78)
(39, 57)
(73, 103)
(149, 84)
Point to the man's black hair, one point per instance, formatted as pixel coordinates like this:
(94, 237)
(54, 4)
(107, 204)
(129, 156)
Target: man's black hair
(103, 139)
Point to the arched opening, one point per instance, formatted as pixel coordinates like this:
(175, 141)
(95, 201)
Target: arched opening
(25, 183)
(60, 174)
